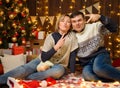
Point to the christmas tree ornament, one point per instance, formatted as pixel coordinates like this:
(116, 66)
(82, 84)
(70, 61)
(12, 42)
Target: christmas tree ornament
(1, 24)
(23, 41)
(29, 22)
(11, 16)
(4, 18)
(7, 1)
(20, 4)
(4, 32)
(27, 10)
(33, 34)
(14, 38)
(39, 28)
(1, 13)
(22, 28)
(16, 34)
(0, 41)
(23, 14)
(17, 10)
(14, 25)
(23, 31)
(0, 3)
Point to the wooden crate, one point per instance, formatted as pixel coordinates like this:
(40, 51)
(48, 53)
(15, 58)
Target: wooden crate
(37, 43)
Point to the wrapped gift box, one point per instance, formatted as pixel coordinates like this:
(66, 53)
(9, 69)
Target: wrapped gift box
(116, 63)
(1, 69)
(41, 35)
(18, 50)
(12, 44)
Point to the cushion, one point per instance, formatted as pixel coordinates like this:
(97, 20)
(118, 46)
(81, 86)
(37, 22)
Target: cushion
(10, 62)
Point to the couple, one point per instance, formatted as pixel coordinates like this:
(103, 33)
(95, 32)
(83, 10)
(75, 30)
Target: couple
(61, 47)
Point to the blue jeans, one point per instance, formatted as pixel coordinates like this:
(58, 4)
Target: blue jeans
(28, 71)
(100, 68)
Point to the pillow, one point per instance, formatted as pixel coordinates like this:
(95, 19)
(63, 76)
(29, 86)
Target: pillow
(24, 56)
(10, 62)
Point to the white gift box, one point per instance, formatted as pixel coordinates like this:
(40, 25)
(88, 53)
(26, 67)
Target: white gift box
(41, 34)
(5, 51)
(12, 44)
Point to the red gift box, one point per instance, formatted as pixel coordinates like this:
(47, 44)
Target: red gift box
(18, 50)
(116, 63)
(1, 69)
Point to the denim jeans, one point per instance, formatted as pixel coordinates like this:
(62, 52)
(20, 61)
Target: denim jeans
(100, 68)
(28, 71)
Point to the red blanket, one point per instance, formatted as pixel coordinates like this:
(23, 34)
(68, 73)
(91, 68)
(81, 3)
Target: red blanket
(65, 82)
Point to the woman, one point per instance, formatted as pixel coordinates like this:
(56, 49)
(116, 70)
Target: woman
(59, 47)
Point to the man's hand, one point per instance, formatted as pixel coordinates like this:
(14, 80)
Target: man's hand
(92, 17)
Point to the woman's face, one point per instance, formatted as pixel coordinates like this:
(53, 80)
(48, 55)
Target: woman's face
(64, 24)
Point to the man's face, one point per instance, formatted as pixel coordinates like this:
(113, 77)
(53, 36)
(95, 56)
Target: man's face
(78, 23)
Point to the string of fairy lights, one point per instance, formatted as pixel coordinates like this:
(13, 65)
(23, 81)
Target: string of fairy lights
(43, 8)
(42, 5)
(113, 40)
(107, 7)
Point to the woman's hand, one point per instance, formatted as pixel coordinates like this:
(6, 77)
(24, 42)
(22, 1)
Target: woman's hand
(59, 43)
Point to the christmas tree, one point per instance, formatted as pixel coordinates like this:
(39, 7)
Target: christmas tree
(15, 23)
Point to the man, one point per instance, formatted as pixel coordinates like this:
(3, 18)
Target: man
(92, 53)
